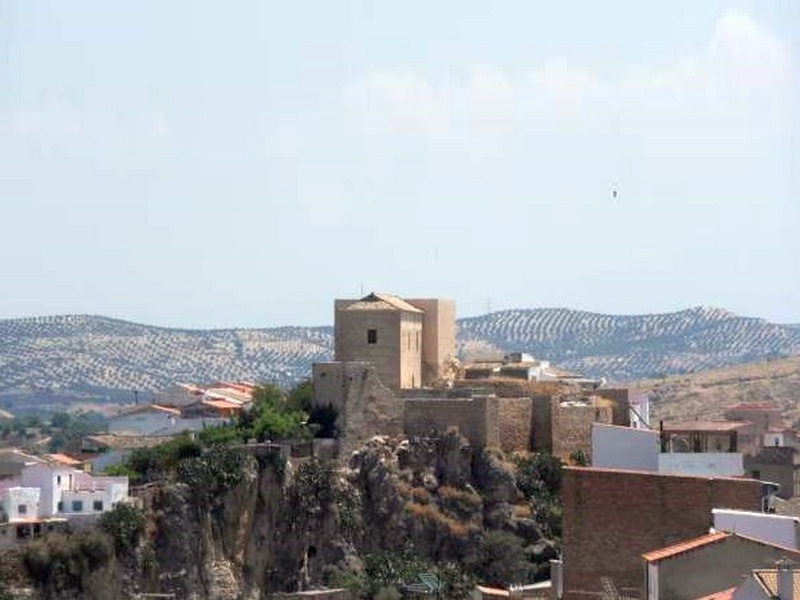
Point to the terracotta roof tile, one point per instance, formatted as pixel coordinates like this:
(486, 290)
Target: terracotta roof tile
(721, 595)
(687, 546)
(769, 579)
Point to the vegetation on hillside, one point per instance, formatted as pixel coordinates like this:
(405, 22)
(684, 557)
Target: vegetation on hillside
(706, 395)
(38, 356)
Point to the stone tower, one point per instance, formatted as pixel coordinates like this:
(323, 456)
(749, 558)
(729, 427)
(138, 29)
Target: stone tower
(407, 341)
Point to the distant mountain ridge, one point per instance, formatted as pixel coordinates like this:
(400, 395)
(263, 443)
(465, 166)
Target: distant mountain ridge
(98, 355)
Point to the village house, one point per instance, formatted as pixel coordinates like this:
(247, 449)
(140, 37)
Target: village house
(707, 564)
(40, 491)
(155, 419)
(612, 517)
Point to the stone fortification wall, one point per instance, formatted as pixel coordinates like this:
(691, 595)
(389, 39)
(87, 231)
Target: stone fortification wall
(476, 418)
(515, 424)
(366, 407)
(572, 431)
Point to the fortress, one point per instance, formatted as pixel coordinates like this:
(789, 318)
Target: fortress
(392, 356)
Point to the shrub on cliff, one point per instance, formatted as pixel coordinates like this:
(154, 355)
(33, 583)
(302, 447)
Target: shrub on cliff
(125, 524)
(61, 565)
(212, 474)
(538, 477)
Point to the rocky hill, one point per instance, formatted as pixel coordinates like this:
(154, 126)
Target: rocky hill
(98, 356)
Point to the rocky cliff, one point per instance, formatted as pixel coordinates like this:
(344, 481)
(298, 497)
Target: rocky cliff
(397, 508)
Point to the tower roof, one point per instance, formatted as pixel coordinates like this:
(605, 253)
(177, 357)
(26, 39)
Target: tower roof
(376, 301)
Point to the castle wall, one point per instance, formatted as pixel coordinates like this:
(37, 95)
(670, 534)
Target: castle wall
(572, 430)
(366, 407)
(410, 350)
(515, 424)
(476, 418)
(352, 343)
(439, 335)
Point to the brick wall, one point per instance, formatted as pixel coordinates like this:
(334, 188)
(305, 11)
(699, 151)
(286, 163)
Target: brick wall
(610, 518)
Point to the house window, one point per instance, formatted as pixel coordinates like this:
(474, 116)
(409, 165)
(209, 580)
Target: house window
(372, 336)
(22, 509)
(77, 506)
(417, 343)
(60, 507)
(97, 505)
(58, 479)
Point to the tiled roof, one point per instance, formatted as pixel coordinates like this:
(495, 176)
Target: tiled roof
(223, 404)
(721, 595)
(62, 459)
(145, 407)
(705, 425)
(768, 579)
(127, 442)
(375, 301)
(687, 546)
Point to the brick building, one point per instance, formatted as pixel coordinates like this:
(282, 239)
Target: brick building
(701, 566)
(612, 517)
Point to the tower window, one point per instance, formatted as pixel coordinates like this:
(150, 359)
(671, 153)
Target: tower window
(372, 336)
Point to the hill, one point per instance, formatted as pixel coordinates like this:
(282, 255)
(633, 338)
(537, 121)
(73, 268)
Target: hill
(101, 357)
(706, 395)
(629, 347)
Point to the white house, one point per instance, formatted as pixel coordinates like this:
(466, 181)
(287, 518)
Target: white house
(154, 419)
(43, 489)
(19, 503)
(616, 447)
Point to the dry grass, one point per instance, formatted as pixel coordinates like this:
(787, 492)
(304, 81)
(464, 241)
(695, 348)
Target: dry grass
(705, 395)
(430, 513)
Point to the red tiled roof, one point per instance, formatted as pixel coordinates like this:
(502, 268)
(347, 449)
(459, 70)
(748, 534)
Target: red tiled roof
(768, 578)
(683, 547)
(223, 404)
(62, 459)
(721, 595)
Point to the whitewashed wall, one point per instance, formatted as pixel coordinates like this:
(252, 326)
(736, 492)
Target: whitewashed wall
(615, 447)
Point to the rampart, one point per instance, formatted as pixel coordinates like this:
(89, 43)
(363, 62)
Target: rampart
(476, 418)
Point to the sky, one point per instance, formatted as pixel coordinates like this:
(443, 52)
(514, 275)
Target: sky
(207, 164)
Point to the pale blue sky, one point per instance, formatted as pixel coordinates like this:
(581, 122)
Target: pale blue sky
(210, 164)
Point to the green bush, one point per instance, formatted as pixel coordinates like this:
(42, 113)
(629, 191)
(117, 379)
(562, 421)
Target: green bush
(125, 524)
(212, 474)
(149, 464)
(60, 563)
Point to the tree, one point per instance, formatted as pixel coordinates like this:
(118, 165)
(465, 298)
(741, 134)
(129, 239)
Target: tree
(300, 397)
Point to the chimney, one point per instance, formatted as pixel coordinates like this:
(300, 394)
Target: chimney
(785, 581)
